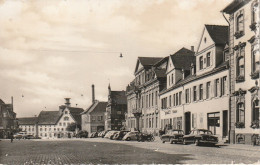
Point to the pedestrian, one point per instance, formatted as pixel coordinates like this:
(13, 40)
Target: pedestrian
(12, 137)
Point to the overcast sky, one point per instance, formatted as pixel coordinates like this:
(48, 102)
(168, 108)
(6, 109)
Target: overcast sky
(52, 49)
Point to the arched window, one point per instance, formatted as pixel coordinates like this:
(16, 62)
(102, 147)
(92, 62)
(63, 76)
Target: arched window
(240, 115)
(240, 22)
(255, 62)
(254, 11)
(255, 113)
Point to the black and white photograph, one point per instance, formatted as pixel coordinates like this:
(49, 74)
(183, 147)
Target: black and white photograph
(129, 82)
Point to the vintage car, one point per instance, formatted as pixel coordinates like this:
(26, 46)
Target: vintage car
(199, 136)
(93, 135)
(173, 136)
(120, 135)
(110, 134)
(131, 136)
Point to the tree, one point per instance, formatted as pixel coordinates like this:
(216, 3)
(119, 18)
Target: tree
(73, 126)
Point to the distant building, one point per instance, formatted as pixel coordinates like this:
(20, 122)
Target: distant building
(28, 125)
(53, 124)
(8, 122)
(93, 119)
(143, 94)
(115, 110)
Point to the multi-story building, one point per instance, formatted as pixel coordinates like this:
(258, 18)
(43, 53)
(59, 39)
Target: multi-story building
(8, 122)
(244, 73)
(115, 110)
(93, 118)
(197, 94)
(28, 125)
(142, 94)
(53, 124)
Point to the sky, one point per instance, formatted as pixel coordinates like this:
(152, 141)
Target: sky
(53, 49)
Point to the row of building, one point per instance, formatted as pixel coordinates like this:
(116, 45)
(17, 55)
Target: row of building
(215, 87)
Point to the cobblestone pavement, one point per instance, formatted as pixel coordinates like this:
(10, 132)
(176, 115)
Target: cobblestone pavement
(98, 150)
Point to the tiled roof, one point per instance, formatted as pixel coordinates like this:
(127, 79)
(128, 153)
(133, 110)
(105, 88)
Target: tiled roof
(48, 117)
(27, 121)
(183, 58)
(148, 61)
(219, 34)
(97, 106)
(118, 97)
(76, 113)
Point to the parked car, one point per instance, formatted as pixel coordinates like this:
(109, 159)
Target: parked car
(199, 136)
(120, 135)
(145, 137)
(131, 136)
(110, 134)
(93, 135)
(18, 136)
(173, 136)
(29, 137)
(100, 133)
(104, 133)
(82, 134)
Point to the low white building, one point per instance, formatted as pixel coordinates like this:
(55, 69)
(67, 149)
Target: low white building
(28, 125)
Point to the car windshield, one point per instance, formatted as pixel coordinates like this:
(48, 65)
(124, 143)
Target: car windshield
(205, 132)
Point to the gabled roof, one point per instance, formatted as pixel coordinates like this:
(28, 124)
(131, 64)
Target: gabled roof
(97, 106)
(218, 33)
(1, 101)
(49, 117)
(119, 97)
(183, 58)
(27, 121)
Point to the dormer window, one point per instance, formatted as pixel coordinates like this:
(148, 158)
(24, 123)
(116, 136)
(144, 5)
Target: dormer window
(208, 59)
(66, 112)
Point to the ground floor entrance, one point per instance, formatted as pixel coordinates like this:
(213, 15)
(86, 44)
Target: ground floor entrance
(214, 123)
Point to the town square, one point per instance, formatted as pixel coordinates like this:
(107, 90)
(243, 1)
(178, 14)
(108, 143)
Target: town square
(130, 82)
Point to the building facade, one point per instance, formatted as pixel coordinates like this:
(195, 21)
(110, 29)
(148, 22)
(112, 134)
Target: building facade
(93, 118)
(244, 62)
(115, 110)
(143, 94)
(8, 122)
(28, 125)
(197, 93)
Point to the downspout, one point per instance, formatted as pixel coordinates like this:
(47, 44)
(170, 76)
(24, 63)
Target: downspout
(229, 72)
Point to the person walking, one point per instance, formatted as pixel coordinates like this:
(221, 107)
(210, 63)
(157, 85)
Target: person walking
(12, 137)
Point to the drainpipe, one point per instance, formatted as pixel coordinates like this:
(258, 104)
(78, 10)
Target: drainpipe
(229, 75)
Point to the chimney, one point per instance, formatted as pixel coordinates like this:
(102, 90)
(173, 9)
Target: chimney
(93, 93)
(67, 103)
(192, 48)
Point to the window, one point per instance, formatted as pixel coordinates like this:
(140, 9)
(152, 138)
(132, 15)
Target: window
(100, 118)
(240, 69)
(201, 91)
(240, 22)
(54, 129)
(170, 101)
(207, 90)
(93, 118)
(174, 102)
(255, 62)
(146, 101)
(194, 93)
(194, 120)
(61, 129)
(49, 129)
(156, 96)
(60, 124)
(187, 95)
(172, 78)
(66, 118)
(66, 112)
(169, 80)
(255, 110)
(45, 129)
(216, 87)
(152, 99)
(180, 93)
(64, 124)
(177, 100)
(201, 62)
(254, 12)
(149, 100)
(224, 85)
(40, 129)
(208, 59)
(32, 129)
(240, 112)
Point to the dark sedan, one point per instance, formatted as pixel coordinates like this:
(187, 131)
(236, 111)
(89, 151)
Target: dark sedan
(199, 136)
(173, 136)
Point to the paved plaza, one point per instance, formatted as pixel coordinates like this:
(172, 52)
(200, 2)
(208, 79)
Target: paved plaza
(98, 150)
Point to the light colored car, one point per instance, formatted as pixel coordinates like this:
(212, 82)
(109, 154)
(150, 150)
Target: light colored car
(109, 134)
(131, 136)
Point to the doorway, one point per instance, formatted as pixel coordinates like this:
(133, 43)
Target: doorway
(187, 123)
(225, 123)
(214, 123)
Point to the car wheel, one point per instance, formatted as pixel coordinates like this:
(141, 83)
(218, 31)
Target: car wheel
(184, 141)
(163, 141)
(128, 139)
(197, 142)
